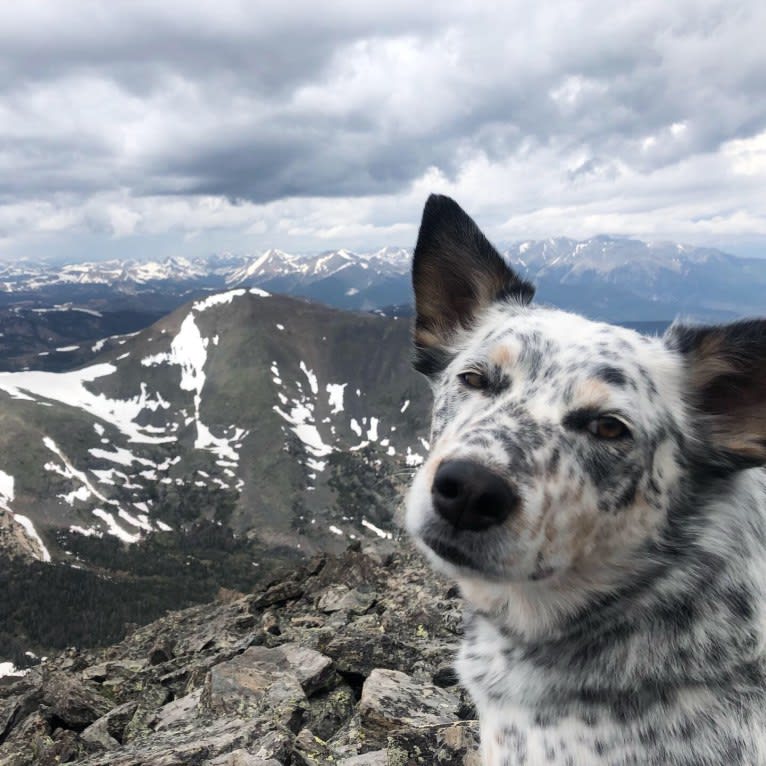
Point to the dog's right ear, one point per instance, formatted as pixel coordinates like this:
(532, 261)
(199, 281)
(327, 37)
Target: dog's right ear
(456, 273)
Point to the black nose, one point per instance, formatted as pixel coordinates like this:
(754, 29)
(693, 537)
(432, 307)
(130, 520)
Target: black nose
(470, 496)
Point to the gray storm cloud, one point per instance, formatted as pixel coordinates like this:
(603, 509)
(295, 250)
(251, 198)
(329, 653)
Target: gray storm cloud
(132, 116)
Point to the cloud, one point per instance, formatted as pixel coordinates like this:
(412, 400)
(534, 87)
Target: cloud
(306, 125)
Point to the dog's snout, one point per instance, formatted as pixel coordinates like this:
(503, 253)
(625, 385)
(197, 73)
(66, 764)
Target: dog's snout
(470, 496)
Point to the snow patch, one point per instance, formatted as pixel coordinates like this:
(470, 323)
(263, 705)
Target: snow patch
(412, 459)
(8, 669)
(312, 379)
(7, 490)
(114, 528)
(29, 528)
(335, 390)
(377, 530)
(219, 299)
(69, 388)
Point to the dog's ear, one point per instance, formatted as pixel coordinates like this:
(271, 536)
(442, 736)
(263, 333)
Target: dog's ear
(726, 379)
(455, 273)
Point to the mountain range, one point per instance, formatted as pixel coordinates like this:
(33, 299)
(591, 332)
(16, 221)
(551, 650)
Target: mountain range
(609, 278)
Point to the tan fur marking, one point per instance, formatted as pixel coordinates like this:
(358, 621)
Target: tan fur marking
(502, 356)
(592, 393)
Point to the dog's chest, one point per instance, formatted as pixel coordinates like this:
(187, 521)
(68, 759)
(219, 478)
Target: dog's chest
(526, 719)
(511, 737)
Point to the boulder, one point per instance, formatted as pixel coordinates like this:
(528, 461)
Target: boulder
(393, 700)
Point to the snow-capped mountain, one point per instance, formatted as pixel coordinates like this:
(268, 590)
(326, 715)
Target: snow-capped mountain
(610, 278)
(275, 417)
(621, 279)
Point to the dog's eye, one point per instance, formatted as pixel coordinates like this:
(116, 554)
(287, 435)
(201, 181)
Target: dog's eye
(608, 427)
(473, 380)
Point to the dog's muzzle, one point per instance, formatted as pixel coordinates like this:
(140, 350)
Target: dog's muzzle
(470, 497)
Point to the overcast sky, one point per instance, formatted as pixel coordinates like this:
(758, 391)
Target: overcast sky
(162, 128)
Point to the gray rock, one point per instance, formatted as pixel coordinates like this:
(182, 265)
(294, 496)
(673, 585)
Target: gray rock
(75, 703)
(341, 598)
(329, 710)
(234, 693)
(278, 594)
(276, 745)
(252, 685)
(108, 731)
(113, 670)
(454, 745)
(374, 758)
(310, 750)
(152, 697)
(392, 700)
(182, 709)
(240, 758)
(312, 669)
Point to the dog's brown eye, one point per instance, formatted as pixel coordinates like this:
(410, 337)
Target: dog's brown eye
(473, 380)
(608, 427)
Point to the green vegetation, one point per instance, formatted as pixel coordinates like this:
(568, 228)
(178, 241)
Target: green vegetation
(362, 490)
(45, 606)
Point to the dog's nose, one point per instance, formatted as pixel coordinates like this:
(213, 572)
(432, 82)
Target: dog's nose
(470, 496)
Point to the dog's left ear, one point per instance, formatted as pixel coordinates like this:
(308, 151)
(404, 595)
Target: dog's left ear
(455, 274)
(726, 379)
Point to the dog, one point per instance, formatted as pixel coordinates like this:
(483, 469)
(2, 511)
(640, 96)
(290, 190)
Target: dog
(599, 497)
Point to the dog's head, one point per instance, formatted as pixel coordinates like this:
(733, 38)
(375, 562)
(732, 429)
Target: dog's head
(562, 450)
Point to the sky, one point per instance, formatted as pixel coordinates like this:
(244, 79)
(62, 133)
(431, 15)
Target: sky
(155, 129)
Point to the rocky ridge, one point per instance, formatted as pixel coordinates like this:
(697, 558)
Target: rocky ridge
(345, 661)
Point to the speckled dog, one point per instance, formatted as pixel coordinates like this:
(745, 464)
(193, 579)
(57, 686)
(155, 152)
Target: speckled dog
(599, 497)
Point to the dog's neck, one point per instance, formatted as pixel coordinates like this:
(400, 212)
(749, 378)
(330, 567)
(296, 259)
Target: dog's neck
(694, 616)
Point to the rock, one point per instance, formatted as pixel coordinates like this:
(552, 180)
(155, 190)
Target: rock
(270, 624)
(360, 650)
(454, 745)
(181, 709)
(108, 731)
(329, 711)
(312, 669)
(97, 734)
(374, 758)
(274, 746)
(230, 684)
(152, 697)
(35, 742)
(240, 758)
(278, 594)
(252, 685)
(310, 750)
(75, 703)
(115, 670)
(161, 651)
(392, 700)
(341, 598)
(9, 709)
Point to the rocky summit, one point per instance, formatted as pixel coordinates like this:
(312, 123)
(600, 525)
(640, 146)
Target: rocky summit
(346, 661)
